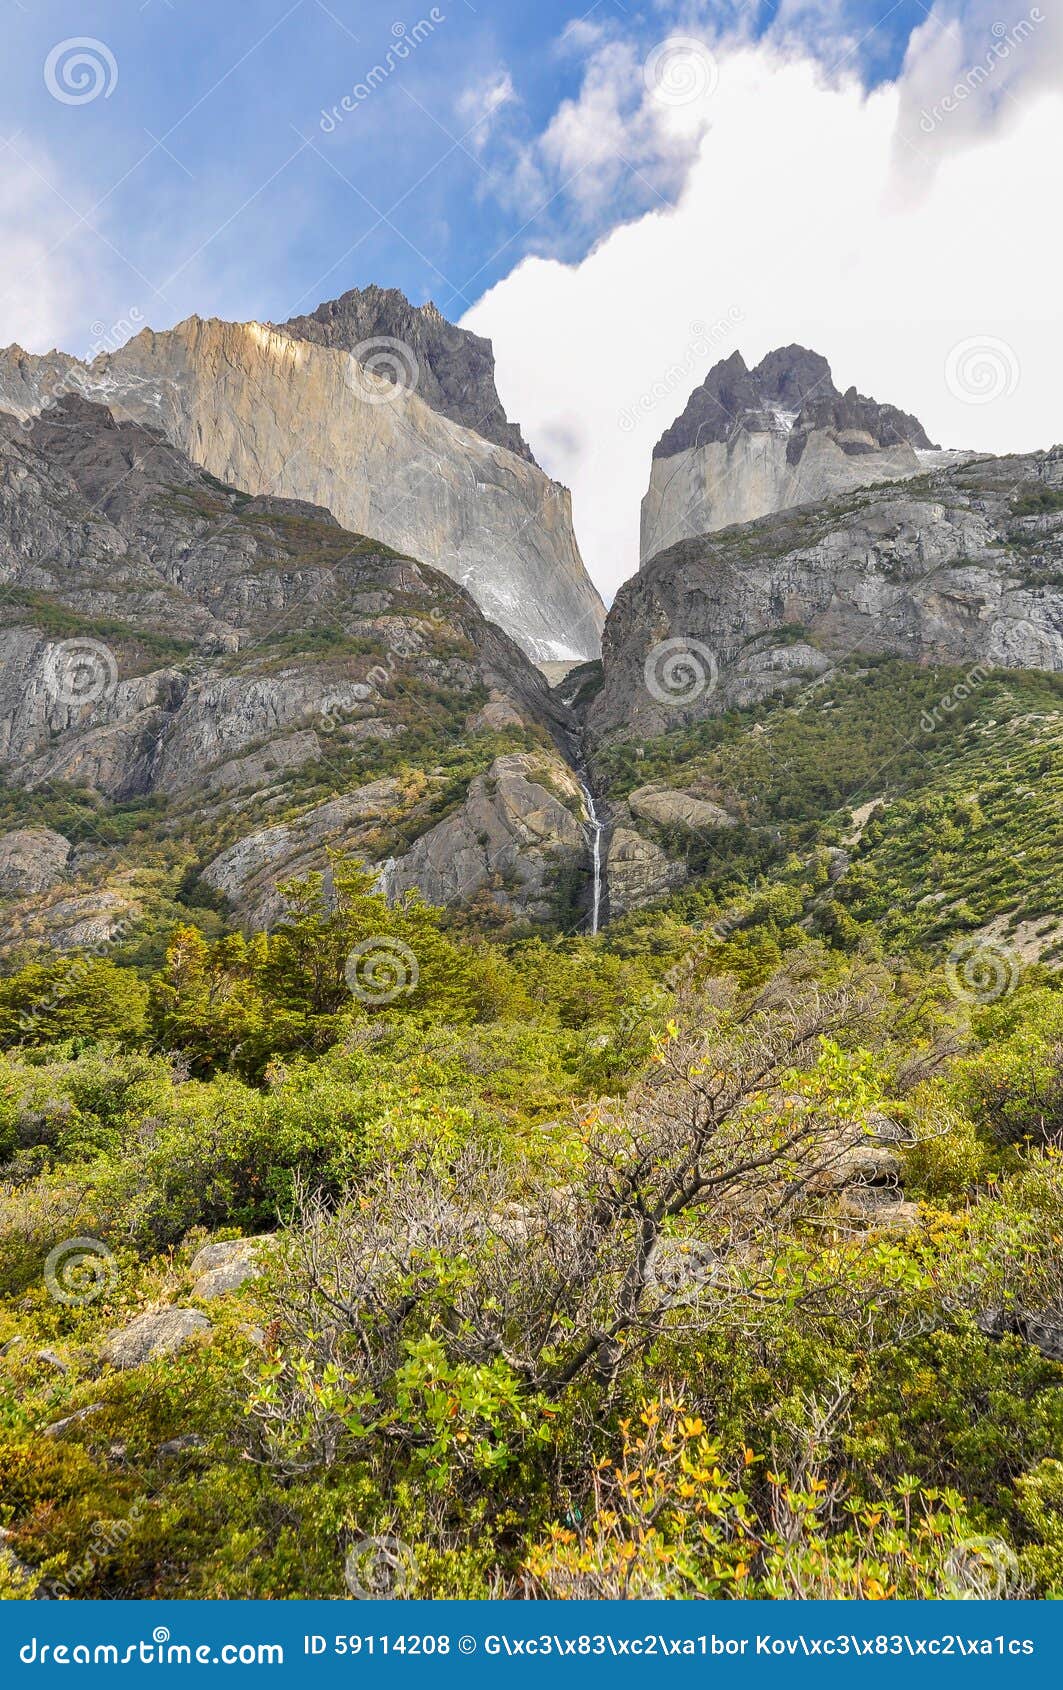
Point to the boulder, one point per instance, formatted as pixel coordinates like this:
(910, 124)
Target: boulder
(174, 1448)
(638, 872)
(220, 1268)
(50, 1359)
(58, 1427)
(882, 1207)
(669, 808)
(160, 1332)
(32, 859)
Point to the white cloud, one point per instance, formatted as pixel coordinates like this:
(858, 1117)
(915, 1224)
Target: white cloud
(810, 213)
(43, 271)
(479, 105)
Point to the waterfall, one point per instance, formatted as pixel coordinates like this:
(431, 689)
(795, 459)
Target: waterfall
(596, 854)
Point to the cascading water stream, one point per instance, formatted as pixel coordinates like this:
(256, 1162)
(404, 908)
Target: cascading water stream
(595, 827)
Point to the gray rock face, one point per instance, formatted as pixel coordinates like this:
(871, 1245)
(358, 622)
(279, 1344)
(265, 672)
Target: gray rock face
(32, 859)
(303, 419)
(519, 827)
(221, 1268)
(452, 370)
(248, 871)
(158, 1333)
(755, 441)
(961, 568)
(89, 920)
(179, 594)
(638, 872)
(660, 804)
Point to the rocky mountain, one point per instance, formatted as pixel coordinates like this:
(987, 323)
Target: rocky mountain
(405, 443)
(455, 369)
(750, 442)
(258, 684)
(963, 565)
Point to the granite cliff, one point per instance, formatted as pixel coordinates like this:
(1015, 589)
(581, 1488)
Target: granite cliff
(405, 443)
(962, 565)
(455, 368)
(256, 681)
(750, 442)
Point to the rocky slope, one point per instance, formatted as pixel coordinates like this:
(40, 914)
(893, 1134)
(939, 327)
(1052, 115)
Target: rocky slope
(270, 683)
(755, 441)
(273, 413)
(962, 566)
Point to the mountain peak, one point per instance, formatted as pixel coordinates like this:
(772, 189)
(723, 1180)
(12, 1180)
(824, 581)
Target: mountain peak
(453, 370)
(791, 374)
(793, 380)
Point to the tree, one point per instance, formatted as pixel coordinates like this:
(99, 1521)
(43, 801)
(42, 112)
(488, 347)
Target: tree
(677, 1202)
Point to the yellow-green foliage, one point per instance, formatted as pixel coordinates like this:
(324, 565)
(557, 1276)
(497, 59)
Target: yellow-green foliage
(442, 1345)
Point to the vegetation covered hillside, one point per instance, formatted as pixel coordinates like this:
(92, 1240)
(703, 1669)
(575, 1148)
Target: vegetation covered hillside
(370, 1226)
(717, 1255)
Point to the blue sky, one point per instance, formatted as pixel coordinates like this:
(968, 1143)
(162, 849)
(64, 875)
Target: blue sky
(873, 178)
(205, 181)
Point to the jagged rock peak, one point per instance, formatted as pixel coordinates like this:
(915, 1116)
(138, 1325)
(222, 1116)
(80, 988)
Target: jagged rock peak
(790, 390)
(455, 371)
